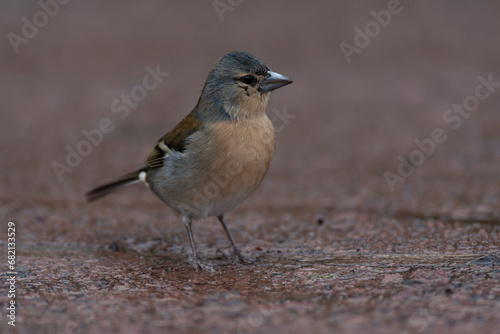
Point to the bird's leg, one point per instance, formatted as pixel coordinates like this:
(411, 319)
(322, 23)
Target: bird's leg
(197, 263)
(237, 256)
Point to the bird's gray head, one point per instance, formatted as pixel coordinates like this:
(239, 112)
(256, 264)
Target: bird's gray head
(240, 84)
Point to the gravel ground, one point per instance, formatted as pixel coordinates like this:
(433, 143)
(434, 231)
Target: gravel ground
(379, 212)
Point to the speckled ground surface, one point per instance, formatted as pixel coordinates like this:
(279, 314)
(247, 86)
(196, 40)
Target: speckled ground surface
(336, 248)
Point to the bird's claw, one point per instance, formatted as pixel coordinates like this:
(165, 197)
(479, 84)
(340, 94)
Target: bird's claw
(240, 258)
(198, 264)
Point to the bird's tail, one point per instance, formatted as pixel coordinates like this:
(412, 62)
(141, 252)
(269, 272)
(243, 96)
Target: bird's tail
(108, 188)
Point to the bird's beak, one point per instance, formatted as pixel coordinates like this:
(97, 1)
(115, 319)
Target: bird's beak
(275, 81)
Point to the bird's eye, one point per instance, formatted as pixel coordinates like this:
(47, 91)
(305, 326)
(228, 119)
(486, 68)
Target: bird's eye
(248, 79)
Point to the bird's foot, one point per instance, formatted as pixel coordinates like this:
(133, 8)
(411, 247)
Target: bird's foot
(238, 258)
(198, 264)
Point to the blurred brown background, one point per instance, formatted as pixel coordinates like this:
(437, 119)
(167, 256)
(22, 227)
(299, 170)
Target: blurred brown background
(351, 121)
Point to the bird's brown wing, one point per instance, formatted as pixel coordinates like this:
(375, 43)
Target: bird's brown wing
(174, 140)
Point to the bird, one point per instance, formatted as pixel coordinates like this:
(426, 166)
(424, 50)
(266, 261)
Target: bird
(218, 155)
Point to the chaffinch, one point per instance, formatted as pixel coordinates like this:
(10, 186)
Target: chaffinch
(217, 156)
